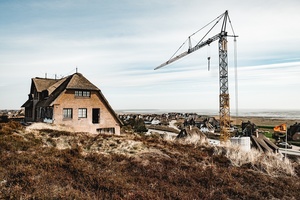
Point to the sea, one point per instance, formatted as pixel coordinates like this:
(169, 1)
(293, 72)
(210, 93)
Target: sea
(276, 114)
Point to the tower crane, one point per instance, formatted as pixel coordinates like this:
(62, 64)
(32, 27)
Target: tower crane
(224, 106)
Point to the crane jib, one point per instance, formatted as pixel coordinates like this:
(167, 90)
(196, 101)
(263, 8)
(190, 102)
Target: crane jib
(191, 50)
(172, 60)
(204, 43)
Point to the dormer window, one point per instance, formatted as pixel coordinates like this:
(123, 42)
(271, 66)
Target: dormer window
(82, 93)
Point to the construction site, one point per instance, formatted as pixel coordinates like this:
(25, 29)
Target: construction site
(226, 132)
(263, 135)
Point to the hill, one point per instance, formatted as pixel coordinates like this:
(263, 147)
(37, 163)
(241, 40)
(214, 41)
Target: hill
(47, 162)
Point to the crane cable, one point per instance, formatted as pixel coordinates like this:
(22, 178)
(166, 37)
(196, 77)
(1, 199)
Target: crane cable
(209, 31)
(235, 71)
(236, 79)
(217, 19)
(231, 26)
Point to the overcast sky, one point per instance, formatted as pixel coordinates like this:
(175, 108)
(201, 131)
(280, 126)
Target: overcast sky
(117, 44)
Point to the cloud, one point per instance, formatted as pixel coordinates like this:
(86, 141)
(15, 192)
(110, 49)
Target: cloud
(118, 44)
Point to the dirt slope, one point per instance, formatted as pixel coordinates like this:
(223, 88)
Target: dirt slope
(57, 164)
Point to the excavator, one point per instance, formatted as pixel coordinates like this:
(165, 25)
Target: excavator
(279, 132)
(280, 129)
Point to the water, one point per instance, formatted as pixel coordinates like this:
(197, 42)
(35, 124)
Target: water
(279, 114)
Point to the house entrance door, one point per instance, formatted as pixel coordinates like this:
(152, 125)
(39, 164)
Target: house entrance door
(96, 115)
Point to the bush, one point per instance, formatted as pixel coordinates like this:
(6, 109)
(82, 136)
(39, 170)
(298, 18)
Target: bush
(55, 133)
(10, 127)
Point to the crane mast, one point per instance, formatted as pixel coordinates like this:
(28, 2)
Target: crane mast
(224, 112)
(224, 105)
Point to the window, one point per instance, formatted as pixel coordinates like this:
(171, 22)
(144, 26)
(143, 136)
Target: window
(82, 93)
(85, 93)
(82, 113)
(106, 130)
(67, 112)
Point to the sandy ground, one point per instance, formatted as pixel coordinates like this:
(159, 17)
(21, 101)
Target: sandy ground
(172, 125)
(41, 125)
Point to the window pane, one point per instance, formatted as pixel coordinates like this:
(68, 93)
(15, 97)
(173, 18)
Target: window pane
(67, 112)
(82, 112)
(82, 93)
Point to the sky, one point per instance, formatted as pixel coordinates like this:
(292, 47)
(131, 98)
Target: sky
(116, 44)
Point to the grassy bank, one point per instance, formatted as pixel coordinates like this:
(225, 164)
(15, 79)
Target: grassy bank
(57, 164)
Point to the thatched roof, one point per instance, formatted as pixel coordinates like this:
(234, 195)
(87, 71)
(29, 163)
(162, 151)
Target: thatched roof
(55, 85)
(42, 84)
(28, 103)
(72, 82)
(78, 81)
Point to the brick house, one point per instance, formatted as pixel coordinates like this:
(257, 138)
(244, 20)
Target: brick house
(72, 101)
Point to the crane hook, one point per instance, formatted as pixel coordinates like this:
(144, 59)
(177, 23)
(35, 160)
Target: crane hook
(208, 62)
(208, 57)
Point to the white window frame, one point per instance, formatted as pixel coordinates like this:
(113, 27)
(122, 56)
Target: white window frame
(82, 112)
(82, 93)
(68, 113)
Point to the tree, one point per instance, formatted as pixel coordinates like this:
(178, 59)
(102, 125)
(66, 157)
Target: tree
(139, 126)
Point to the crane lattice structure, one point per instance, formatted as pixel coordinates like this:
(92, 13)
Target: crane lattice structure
(224, 106)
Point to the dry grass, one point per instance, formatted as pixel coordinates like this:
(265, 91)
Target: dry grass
(195, 137)
(269, 163)
(33, 165)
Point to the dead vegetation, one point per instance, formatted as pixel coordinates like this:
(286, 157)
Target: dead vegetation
(267, 163)
(58, 164)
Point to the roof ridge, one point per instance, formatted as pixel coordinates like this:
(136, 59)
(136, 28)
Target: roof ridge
(78, 81)
(46, 78)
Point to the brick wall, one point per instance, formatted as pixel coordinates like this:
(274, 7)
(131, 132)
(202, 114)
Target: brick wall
(68, 100)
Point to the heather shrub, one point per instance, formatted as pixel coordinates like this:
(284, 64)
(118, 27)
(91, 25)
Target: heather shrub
(130, 167)
(55, 133)
(10, 127)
